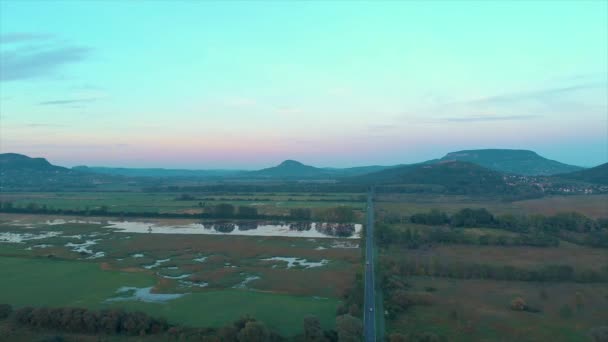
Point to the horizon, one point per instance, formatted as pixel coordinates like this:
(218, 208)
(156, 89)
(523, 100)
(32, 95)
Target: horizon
(278, 163)
(243, 85)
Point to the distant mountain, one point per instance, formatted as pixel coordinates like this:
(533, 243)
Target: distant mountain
(157, 172)
(521, 162)
(597, 175)
(290, 169)
(20, 172)
(449, 176)
(14, 162)
(356, 170)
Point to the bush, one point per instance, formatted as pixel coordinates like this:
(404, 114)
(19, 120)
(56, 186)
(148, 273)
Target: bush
(5, 310)
(599, 334)
(518, 304)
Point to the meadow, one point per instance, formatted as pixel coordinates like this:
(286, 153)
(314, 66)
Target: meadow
(479, 310)
(116, 202)
(457, 290)
(215, 279)
(594, 206)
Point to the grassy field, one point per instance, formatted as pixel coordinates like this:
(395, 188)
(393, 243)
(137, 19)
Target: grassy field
(236, 279)
(478, 310)
(519, 256)
(594, 206)
(270, 204)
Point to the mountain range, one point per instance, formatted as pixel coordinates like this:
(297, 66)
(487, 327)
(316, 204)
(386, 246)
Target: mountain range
(518, 162)
(477, 170)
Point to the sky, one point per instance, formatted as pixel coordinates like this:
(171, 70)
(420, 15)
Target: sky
(248, 84)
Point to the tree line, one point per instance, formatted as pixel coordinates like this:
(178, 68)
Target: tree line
(414, 238)
(536, 230)
(218, 211)
(69, 320)
(551, 272)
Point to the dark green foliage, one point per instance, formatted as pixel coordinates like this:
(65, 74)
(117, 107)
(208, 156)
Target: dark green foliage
(597, 175)
(253, 332)
(312, 330)
(472, 218)
(79, 320)
(599, 334)
(247, 212)
(336, 214)
(349, 328)
(5, 310)
(547, 273)
(434, 218)
(119, 322)
(223, 210)
(300, 213)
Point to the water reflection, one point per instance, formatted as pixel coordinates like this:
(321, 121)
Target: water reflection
(256, 228)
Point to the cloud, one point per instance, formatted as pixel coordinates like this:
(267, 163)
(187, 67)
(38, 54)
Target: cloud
(43, 125)
(19, 37)
(36, 60)
(540, 95)
(65, 102)
(492, 118)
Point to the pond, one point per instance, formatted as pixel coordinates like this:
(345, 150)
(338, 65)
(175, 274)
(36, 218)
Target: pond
(306, 230)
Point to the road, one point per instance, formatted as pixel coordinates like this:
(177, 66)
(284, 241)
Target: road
(369, 316)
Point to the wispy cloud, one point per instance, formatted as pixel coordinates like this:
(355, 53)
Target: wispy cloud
(19, 37)
(43, 125)
(65, 102)
(540, 95)
(492, 118)
(41, 58)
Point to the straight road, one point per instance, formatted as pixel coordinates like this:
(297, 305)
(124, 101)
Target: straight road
(369, 316)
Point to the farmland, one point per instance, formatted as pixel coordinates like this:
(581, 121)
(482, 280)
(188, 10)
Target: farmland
(492, 281)
(467, 310)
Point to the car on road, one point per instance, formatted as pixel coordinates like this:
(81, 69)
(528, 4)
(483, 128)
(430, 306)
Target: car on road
(371, 309)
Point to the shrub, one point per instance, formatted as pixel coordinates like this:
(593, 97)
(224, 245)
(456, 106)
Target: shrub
(5, 310)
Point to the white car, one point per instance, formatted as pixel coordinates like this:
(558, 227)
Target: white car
(371, 309)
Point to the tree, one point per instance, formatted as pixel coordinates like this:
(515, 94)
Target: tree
(349, 328)
(518, 304)
(253, 332)
(312, 329)
(223, 210)
(395, 337)
(5, 310)
(247, 212)
(599, 334)
(300, 213)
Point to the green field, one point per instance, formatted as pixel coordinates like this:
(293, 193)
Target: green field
(140, 202)
(48, 272)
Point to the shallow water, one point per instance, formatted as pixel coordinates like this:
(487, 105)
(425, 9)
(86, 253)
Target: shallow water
(21, 237)
(182, 276)
(156, 264)
(293, 262)
(313, 230)
(188, 283)
(243, 284)
(144, 294)
(82, 247)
